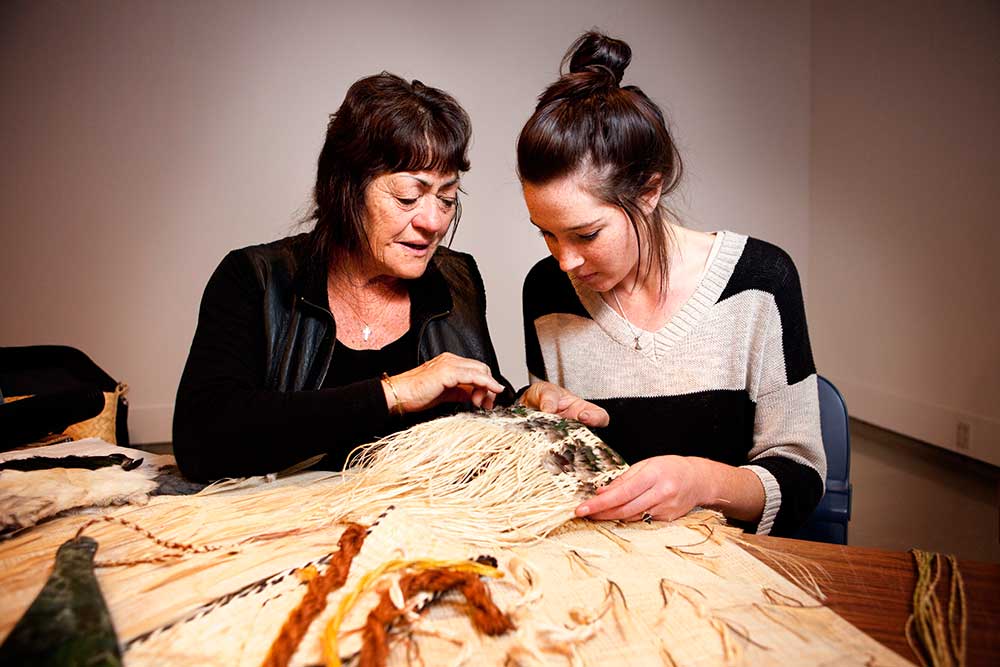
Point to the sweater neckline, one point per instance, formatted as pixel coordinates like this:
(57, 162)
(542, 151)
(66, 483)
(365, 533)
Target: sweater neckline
(725, 252)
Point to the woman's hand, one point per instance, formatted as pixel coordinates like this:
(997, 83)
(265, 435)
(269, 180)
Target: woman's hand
(665, 487)
(668, 487)
(447, 378)
(553, 399)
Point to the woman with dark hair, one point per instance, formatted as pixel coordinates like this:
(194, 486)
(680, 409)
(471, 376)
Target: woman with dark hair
(317, 343)
(694, 343)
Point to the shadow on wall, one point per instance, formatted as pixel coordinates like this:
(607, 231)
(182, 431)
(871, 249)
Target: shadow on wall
(910, 494)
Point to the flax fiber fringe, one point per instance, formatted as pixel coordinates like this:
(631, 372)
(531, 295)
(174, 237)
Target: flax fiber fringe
(498, 479)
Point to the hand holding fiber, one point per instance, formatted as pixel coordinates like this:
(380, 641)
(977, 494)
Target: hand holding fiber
(665, 487)
(551, 398)
(447, 378)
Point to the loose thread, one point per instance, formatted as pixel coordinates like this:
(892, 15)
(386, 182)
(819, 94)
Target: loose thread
(726, 628)
(798, 570)
(775, 619)
(742, 632)
(184, 548)
(668, 587)
(485, 615)
(622, 543)
(166, 544)
(708, 536)
(779, 599)
(957, 618)
(413, 652)
(146, 560)
(934, 638)
(312, 604)
(579, 561)
(700, 558)
(621, 615)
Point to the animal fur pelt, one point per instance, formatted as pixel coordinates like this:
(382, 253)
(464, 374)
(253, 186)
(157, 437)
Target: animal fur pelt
(28, 497)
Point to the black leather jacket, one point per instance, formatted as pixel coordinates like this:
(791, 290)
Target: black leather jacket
(250, 399)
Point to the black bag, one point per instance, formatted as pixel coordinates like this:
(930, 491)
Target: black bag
(55, 386)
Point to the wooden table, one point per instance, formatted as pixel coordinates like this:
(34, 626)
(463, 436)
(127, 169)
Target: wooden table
(873, 590)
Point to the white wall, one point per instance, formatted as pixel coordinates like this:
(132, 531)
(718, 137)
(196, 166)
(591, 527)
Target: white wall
(143, 140)
(905, 193)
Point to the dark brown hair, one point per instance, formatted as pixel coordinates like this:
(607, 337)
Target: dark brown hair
(614, 136)
(384, 125)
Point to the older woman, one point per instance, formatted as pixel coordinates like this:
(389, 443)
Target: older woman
(317, 343)
(695, 343)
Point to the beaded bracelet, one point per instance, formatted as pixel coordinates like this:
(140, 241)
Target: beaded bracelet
(399, 404)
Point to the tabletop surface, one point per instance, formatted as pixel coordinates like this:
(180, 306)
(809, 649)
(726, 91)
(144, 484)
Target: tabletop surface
(873, 590)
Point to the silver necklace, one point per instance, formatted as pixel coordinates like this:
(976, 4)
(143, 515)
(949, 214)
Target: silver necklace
(635, 332)
(366, 330)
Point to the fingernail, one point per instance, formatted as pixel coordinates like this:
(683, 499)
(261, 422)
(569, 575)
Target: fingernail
(583, 510)
(584, 416)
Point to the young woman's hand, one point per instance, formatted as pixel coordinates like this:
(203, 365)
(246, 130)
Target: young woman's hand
(556, 400)
(447, 378)
(668, 487)
(664, 487)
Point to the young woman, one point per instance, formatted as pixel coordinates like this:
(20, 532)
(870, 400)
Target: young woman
(694, 343)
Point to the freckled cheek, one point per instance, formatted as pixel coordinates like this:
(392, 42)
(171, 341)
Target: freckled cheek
(613, 258)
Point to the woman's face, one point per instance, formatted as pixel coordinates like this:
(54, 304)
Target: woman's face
(592, 240)
(407, 214)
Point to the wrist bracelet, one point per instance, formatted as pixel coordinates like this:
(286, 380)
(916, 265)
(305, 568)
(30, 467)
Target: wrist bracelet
(398, 409)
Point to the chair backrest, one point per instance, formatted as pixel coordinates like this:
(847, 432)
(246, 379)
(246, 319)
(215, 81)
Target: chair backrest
(836, 431)
(828, 523)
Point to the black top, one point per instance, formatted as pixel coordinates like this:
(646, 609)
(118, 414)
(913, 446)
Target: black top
(349, 365)
(362, 368)
(260, 391)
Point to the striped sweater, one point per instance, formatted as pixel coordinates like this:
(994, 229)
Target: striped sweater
(730, 377)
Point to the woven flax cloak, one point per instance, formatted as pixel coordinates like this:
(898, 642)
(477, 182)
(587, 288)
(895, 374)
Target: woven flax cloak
(578, 592)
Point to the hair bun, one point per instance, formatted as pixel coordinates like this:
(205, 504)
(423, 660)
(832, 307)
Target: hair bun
(597, 53)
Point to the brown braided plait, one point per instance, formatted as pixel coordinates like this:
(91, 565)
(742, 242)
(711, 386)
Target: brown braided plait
(314, 601)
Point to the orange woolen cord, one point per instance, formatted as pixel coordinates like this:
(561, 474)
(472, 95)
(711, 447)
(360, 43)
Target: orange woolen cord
(314, 601)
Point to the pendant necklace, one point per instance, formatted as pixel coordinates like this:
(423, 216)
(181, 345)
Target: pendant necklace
(366, 330)
(635, 333)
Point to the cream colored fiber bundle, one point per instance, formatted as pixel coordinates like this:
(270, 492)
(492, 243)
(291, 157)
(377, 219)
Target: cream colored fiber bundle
(497, 478)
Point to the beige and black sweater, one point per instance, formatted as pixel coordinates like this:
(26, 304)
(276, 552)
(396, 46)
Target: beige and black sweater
(730, 377)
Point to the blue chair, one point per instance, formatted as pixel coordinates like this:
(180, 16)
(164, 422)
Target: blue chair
(828, 523)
